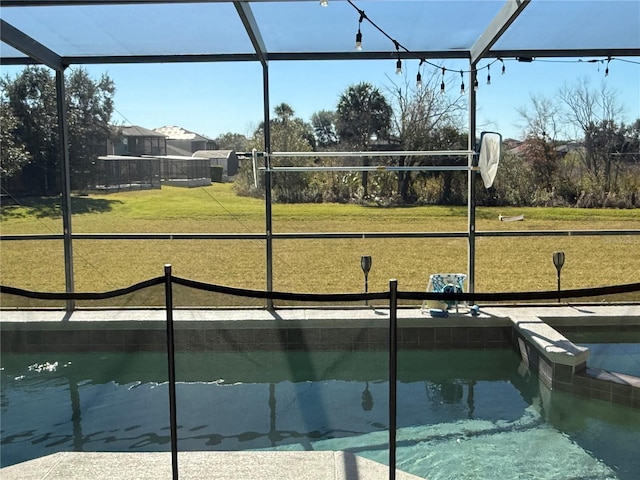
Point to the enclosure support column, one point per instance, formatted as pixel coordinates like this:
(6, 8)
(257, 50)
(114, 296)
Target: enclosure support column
(393, 374)
(471, 207)
(173, 421)
(63, 137)
(267, 182)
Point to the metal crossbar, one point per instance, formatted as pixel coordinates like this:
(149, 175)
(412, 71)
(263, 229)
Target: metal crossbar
(377, 153)
(372, 168)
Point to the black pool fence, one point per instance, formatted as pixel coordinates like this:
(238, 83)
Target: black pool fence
(392, 296)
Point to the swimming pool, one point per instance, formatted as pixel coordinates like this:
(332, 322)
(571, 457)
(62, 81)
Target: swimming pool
(461, 414)
(615, 351)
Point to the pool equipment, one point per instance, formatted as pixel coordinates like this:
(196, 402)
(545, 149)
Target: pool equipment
(489, 156)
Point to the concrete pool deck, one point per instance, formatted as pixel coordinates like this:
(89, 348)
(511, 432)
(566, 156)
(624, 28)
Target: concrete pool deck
(262, 465)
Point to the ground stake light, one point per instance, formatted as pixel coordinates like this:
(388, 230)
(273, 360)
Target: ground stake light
(558, 261)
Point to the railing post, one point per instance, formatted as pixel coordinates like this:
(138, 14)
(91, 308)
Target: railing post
(172, 371)
(393, 374)
(65, 183)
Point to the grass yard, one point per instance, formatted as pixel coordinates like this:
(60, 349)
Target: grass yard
(502, 263)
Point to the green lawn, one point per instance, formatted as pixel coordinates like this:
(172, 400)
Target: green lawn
(502, 264)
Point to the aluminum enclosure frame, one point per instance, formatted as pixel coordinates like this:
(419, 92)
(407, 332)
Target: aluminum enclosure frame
(38, 53)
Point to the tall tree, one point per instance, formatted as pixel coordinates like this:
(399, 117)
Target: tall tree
(363, 114)
(31, 95)
(14, 155)
(324, 126)
(541, 126)
(597, 115)
(232, 141)
(288, 134)
(425, 119)
(90, 106)
(362, 111)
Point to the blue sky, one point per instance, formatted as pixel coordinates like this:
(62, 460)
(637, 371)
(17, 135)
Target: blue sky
(212, 99)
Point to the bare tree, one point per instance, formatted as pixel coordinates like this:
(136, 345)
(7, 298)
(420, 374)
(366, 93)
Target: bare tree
(424, 118)
(541, 126)
(597, 114)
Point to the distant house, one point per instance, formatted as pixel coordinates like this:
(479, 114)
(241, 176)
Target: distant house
(185, 140)
(136, 141)
(226, 158)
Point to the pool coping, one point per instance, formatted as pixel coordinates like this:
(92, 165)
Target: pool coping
(262, 465)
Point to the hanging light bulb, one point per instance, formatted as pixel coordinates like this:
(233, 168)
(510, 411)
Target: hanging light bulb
(442, 84)
(489, 74)
(461, 83)
(399, 67)
(475, 82)
(324, 3)
(359, 34)
(606, 72)
(419, 80)
(504, 69)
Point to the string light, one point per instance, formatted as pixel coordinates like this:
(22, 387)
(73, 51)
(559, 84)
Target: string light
(324, 3)
(359, 34)
(398, 46)
(399, 62)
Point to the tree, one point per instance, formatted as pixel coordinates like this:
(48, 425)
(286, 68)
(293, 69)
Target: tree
(288, 134)
(324, 127)
(31, 96)
(14, 156)
(597, 116)
(424, 119)
(541, 127)
(232, 141)
(363, 113)
(90, 105)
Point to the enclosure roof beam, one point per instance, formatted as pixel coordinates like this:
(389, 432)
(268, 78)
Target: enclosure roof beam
(29, 46)
(301, 56)
(505, 17)
(251, 26)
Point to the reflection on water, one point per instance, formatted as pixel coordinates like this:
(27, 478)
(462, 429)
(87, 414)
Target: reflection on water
(459, 413)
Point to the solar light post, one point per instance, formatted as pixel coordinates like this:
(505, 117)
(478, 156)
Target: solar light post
(558, 261)
(365, 264)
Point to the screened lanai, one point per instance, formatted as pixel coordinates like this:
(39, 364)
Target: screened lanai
(59, 34)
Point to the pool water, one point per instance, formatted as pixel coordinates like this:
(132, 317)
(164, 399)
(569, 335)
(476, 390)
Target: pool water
(461, 414)
(612, 351)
